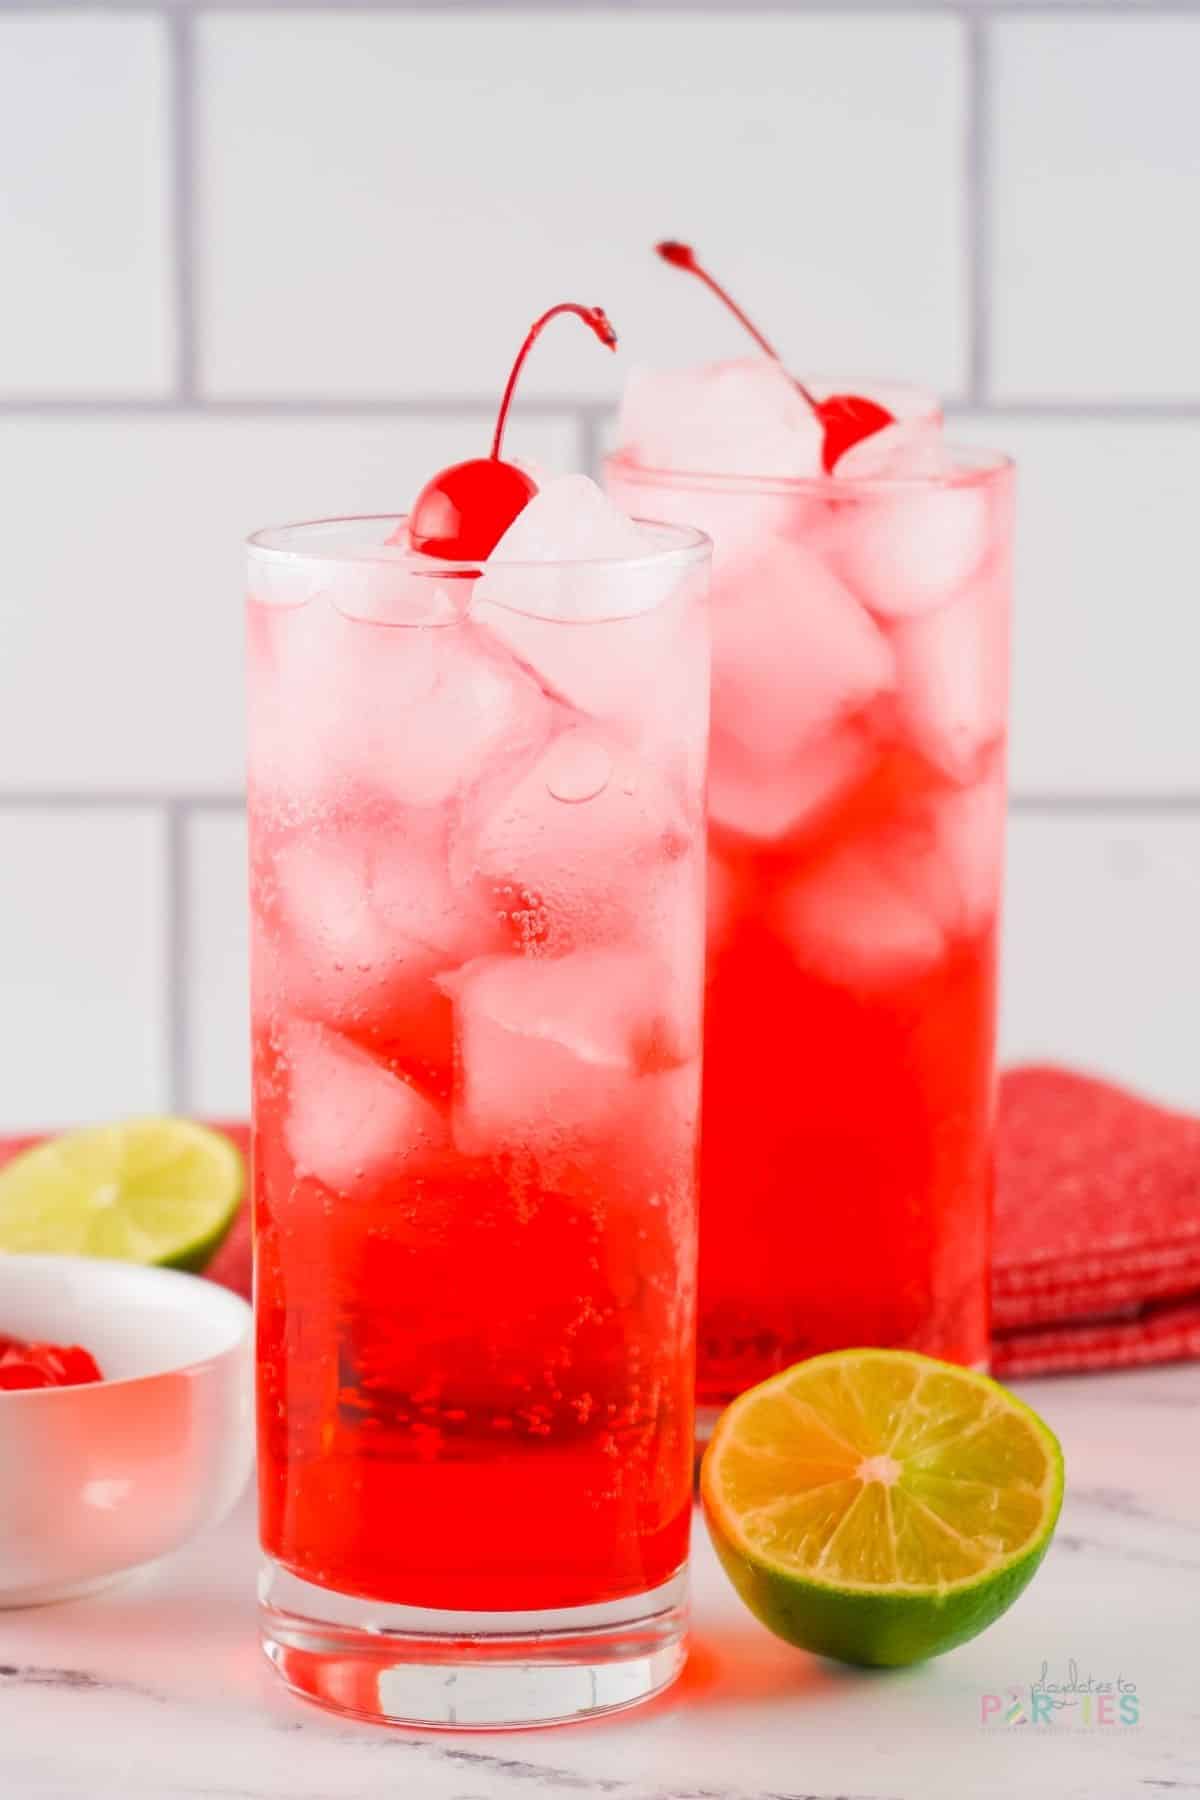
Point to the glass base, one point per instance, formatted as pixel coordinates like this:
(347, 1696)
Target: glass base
(411, 1665)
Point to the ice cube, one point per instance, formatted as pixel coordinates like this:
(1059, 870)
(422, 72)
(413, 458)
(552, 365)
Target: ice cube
(953, 677)
(613, 670)
(568, 836)
(971, 832)
(948, 854)
(479, 707)
(355, 894)
(362, 916)
(794, 653)
(885, 907)
(570, 519)
(909, 448)
(551, 1050)
(598, 626)
(571, 524)
(416, 709)
(733, 418)
(910, 552)
(321, 688)
(768, 801)
(349, 1119)
(853, 921)
(740, 520)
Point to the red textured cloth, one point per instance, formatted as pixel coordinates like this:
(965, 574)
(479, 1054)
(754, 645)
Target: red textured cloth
(1096, 1259)
(1097, 1243)
(1165, 1331)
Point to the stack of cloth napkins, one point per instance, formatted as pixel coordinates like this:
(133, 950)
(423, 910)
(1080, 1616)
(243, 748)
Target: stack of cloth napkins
(1096, 1254)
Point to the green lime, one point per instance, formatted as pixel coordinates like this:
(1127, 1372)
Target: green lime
(146, 1191)
(878, 1506)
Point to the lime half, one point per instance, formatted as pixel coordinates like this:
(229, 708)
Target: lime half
(146, 1191)
(878, 1506)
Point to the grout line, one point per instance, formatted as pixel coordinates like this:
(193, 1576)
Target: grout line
(181, 40)
(576, 409)
(966, 9)
(415, 406)
(1094, 412)
(183, 805)
(37, 404)
(116, 799)
(978, 199)
(1116, 805)
(178, 1044)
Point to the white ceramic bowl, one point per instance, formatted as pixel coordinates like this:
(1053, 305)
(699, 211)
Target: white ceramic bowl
(100, 1479)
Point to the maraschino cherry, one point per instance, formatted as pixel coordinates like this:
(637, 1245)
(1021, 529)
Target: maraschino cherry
(25, 1365)
(464, 512)
(845, 418)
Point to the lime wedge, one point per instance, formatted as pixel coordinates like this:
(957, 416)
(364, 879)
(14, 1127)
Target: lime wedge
(878, 1506)
(146, 1191)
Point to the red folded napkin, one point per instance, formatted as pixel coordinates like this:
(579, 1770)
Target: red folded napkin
(1096, 1255)
(1096, 1260)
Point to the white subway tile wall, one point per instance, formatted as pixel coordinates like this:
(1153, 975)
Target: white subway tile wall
(1106, 641)
(1095, 145)
(123, 630)
(214, 1058)
(86, 306)
(1100, 941)
(456, 171)
(267, 260)
(84, 946)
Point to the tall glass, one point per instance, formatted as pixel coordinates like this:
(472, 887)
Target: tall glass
(476, 839)
(857, 797)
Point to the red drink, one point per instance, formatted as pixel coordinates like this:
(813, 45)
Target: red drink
(475, 1368)
(857, 1136)
(856, 826)
(477, 877)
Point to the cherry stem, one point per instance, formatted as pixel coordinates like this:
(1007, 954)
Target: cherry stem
(682, 256)
(594, 316)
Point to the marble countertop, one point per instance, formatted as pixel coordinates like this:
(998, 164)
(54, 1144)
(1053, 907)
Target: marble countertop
(155, 1690)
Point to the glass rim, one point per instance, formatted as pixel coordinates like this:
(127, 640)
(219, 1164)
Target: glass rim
(975, 467)
(288, 546)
